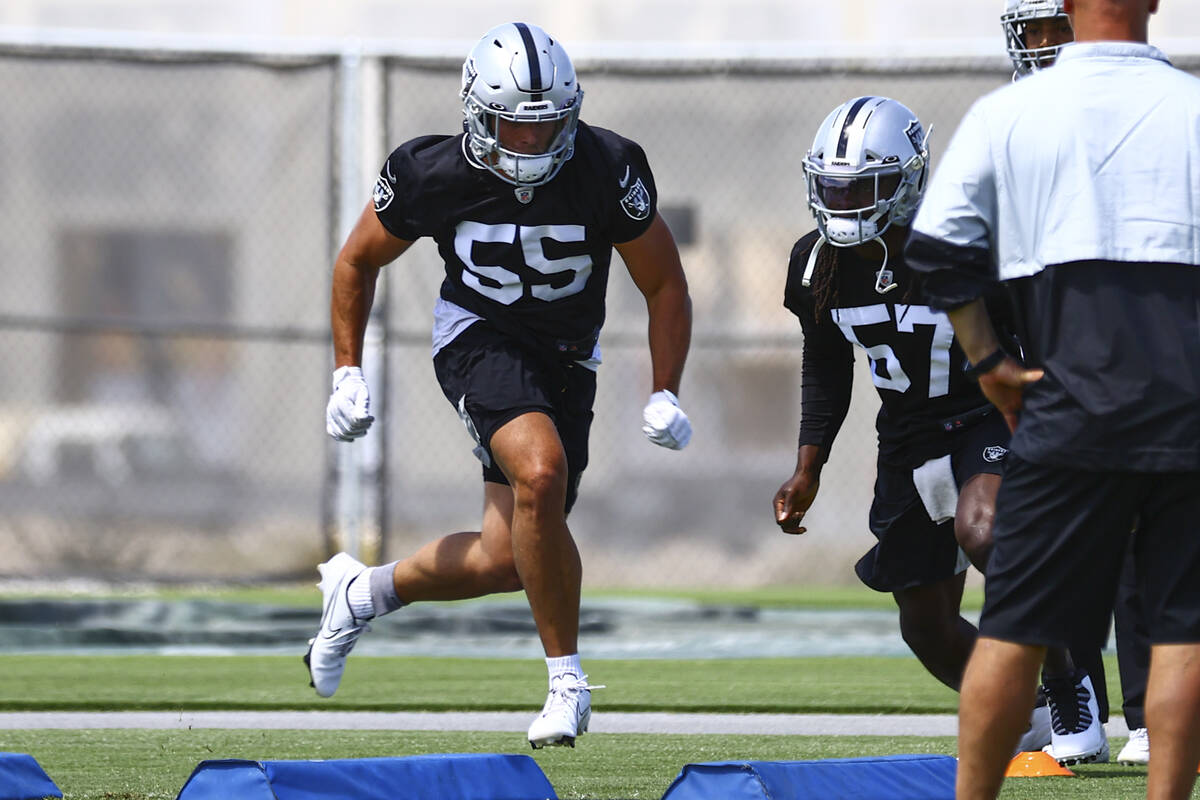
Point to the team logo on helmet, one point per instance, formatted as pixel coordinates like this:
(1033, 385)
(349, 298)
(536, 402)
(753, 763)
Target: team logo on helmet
(382, 195)
(994, 453)
(636, 201)
(916, 135)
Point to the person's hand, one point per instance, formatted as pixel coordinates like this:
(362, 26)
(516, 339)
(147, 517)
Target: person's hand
(793, 500)
(1005, 386)
(348, 414)
(665, 424)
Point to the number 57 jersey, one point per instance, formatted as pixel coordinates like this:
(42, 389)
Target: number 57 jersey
(532, 261)
(914, 359)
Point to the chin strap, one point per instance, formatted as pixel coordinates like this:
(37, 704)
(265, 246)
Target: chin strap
(812, 262)
(884, 272)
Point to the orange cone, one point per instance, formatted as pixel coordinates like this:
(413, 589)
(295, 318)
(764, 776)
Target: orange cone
(1035, 764)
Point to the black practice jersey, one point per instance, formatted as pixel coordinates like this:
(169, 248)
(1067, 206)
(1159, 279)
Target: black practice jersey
(915, 360)
(537, 269)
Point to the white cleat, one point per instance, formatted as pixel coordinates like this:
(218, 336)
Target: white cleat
(1037, 735)
(327, 651)
(1077, 735)
(566, 714)
(1136, 752)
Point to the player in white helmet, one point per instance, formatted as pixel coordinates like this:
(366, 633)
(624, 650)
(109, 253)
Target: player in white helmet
(1034, 31)
(941, 446)
(526, 206)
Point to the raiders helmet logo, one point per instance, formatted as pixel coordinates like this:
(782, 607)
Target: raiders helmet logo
(994, 453)
(636, 201)
(382, 195)
(916, 135)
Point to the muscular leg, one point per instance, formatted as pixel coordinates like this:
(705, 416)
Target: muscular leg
(468, 564)
(973, 522)
(935, 631)
(974, 517)
(1172, 711)
(997, 696)
(531, 455)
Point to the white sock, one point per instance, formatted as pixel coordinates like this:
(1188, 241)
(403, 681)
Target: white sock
(564, 665)
(359, 595)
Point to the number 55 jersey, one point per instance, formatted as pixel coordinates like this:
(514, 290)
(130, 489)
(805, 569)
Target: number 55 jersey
(914, 359)
(532, 261)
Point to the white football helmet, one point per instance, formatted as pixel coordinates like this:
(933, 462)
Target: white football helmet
(866, 170)
(517, 72)
(1017, 14)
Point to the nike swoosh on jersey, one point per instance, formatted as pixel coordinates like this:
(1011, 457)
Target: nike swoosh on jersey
(624, 180)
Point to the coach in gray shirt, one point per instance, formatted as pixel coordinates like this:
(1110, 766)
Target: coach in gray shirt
(1079, 187)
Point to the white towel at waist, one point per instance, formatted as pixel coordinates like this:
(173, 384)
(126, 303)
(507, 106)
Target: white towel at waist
(935, 484)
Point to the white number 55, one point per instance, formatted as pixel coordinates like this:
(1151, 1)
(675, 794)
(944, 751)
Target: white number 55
(531, 240)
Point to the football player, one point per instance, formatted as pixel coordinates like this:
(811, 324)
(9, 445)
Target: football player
(941, 445)
(526, 206)
(1034, 31)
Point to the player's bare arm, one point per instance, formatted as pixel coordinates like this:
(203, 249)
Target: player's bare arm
(798, 492)
(653, 262)
(368, 248)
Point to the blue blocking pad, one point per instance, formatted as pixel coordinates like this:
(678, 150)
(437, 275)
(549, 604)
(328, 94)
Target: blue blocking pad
(901, 777)
(22, 778)
(468, 776)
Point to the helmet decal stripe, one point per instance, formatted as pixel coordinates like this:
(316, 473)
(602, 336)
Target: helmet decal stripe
(535, 64)
(844, 137)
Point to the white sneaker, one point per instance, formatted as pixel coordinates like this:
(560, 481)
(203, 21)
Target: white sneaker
(1137, 750)
(1077, 735)
(327, 651)
(566, 714)
(1037, 735)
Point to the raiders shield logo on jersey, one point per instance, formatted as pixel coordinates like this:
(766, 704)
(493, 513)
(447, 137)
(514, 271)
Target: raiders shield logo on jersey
(994, 453)
(382, 195)
(636, 201)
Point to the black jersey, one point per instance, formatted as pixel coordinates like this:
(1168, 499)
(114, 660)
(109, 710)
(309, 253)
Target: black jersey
(915, 360)
(532, 261)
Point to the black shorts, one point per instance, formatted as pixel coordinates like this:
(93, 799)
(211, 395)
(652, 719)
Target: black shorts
(913, 550)
(1060, 541)
(491, 379)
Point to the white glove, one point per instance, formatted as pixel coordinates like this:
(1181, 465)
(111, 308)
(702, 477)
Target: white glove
(348, 414)
(665, 423)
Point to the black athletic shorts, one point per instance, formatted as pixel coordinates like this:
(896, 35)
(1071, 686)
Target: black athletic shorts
(1060, 541)
(912, 549)
(491, 379)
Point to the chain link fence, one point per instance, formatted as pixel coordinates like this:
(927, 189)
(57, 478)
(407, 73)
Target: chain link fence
(168, 226)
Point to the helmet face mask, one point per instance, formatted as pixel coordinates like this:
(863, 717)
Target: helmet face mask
(518, 74)
(1016, 20)
(866, 170)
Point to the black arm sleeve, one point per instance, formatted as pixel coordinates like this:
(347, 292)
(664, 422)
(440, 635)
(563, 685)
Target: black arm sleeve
(953, 275)
(827, 377)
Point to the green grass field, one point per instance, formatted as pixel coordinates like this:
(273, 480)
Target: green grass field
(144, 764)
(152, 765)
(113, 764)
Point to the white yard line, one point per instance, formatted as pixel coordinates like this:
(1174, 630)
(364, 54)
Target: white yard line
(602, 722)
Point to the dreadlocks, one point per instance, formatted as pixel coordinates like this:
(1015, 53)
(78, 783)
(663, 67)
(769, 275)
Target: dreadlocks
(827, 278)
